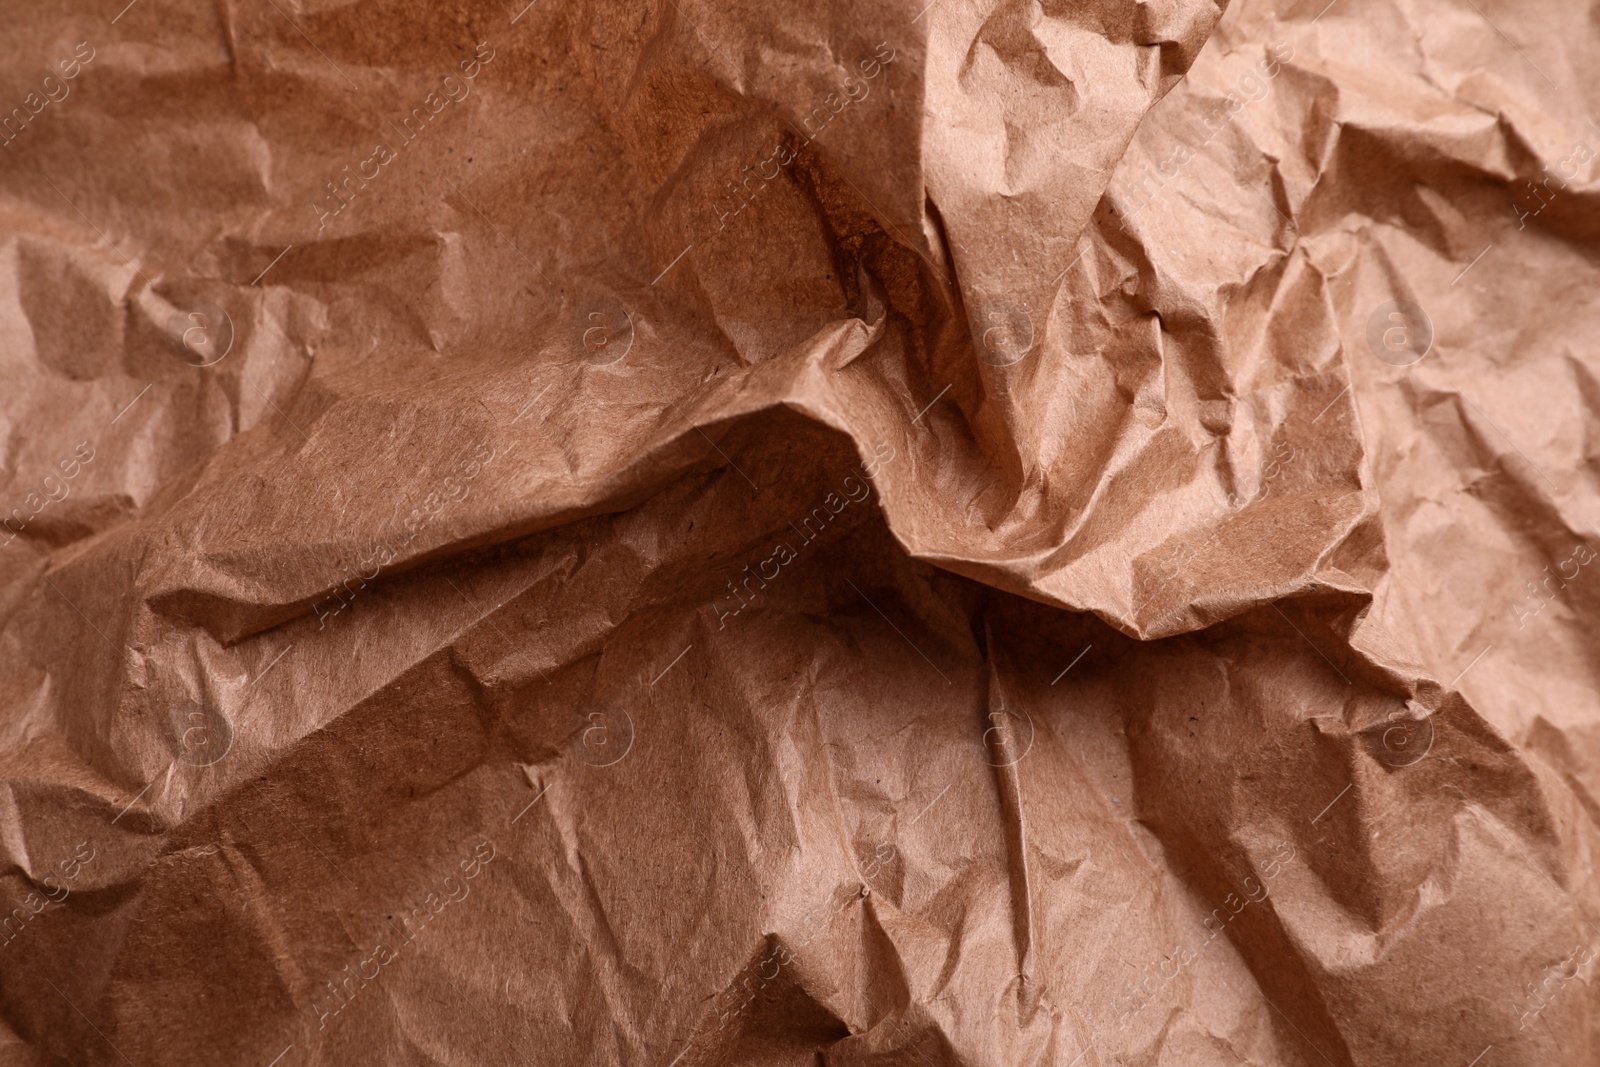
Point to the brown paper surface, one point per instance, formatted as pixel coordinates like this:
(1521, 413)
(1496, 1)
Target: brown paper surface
(677, 533)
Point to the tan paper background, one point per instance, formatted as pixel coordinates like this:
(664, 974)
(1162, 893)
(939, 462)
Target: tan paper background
(673, 533)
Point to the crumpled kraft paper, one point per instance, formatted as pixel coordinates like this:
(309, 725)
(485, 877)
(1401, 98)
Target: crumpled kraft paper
(678, 534)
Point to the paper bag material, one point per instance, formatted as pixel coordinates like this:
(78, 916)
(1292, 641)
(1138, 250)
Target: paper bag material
(682, 534)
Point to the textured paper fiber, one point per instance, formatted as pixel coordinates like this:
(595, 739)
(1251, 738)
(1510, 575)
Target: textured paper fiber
(684, 534)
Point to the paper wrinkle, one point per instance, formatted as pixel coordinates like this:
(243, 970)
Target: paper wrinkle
(1270, 548)
(258, 904)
